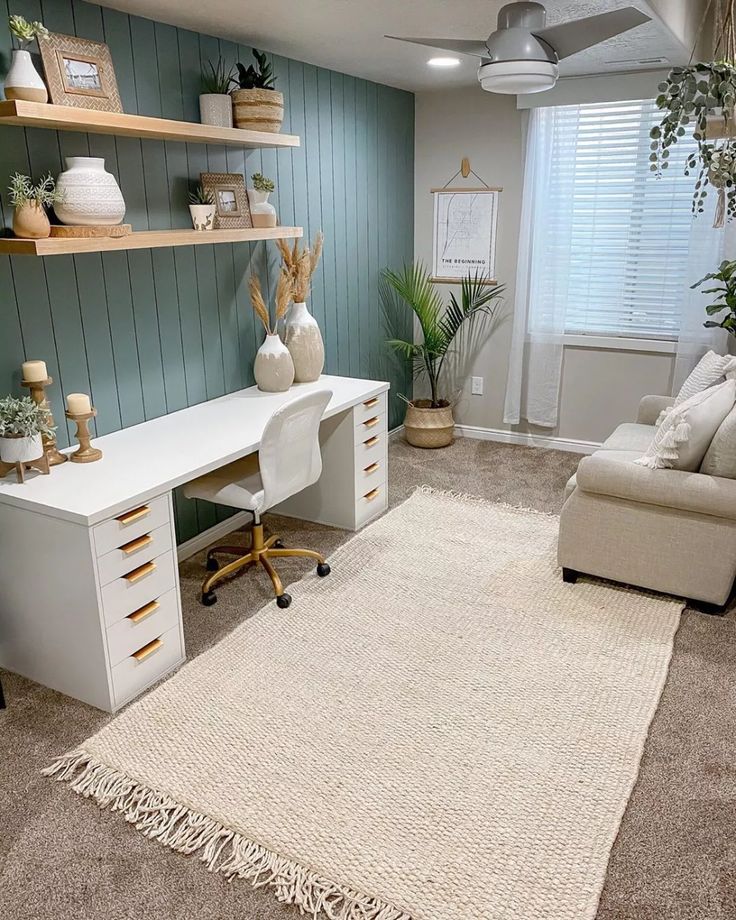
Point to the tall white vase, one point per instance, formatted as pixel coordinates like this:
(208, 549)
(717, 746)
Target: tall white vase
(304, 341)
(261, 209)
(23, 80)
(273, 368)
(89, 194)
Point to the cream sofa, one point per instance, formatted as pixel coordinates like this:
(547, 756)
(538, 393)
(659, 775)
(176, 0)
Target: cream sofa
(666, 530)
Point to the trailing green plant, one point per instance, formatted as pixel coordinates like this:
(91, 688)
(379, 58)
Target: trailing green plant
(262, 183)
(258, 77)
(726, 299)
(22, 191)
(24, 31)
(22, 417)
(412, 287)
(199, 195)
(216, 78)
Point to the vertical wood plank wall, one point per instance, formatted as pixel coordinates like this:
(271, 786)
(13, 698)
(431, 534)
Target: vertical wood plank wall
(150, 332)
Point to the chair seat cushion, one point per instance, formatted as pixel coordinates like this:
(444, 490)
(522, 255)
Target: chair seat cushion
(630, 436)
(238, 485)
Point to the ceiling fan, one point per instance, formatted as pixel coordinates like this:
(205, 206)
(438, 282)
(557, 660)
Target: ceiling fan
(522, 55)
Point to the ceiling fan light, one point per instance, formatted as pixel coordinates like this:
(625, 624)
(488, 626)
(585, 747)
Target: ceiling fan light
(517, 78)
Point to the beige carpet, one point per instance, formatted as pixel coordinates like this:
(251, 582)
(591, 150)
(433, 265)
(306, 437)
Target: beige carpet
(441, 729)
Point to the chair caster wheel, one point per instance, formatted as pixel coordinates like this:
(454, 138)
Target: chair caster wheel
(283, 600)
(212, 565)
(279, 544)
(209, 598)
(323, 569)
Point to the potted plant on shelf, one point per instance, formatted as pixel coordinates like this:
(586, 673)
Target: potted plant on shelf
(273, 369)
(430, 422)
(23, 80)
(23, 423)
(29, 202)
(257, 105)
(726, 299)
(215, 101)
(261, 210)
(302, 335)
(202, 208)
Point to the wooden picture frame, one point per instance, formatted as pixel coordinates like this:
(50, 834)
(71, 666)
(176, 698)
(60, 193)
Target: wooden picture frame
(79, 73)
(464, 233)
(232, 210)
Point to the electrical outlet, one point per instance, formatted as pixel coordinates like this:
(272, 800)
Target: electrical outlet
(476, 386)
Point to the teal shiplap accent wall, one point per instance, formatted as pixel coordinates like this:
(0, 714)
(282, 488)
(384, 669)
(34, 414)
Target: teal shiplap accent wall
(149, 332)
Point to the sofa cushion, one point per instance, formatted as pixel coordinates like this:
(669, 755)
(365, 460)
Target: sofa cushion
(630, 436)
(711, 369)
(570, 486)
(720, 459)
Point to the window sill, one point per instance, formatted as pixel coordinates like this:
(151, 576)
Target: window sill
(616, 343)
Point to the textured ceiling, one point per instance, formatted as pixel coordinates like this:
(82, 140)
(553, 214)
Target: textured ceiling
(348, 35)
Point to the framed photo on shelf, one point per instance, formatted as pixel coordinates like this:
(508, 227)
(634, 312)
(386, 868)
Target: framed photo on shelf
(232, 211)
(464, 233)
(79, 73)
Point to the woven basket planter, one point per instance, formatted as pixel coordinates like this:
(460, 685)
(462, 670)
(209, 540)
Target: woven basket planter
(258, 109)
(427, 427)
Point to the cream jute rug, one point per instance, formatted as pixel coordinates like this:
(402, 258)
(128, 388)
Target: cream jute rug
(440, 730)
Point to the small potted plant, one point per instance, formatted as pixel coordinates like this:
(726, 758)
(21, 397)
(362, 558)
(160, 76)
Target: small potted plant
(725, 297)
(215, 101)
(256, 104)
(23, 80)
(22, 425)
(30, 201)
(202, 208)
(262, 212)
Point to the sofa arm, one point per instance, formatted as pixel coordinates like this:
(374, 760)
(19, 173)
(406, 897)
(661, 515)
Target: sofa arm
(651, 406)
(694, 492)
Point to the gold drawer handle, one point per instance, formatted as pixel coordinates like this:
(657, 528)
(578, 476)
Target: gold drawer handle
(371, 441)
(135, 545)
(371, 495)
(371, 402)
(143, 612)
(371, 422)
(371, 469)
(140, 572)
(147, 650)
(135, 515)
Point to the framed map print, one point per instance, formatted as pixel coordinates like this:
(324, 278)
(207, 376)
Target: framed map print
(464, 237)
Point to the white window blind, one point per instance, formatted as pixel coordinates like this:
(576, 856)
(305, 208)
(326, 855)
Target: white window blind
(610, 246)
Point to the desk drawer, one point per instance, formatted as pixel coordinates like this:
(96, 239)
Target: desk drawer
(129, 525)
(371, 504)
(132, 591)
(134, 553)
(370, 476)
(370, 408)
(142, 626)
(149, 662)
(372, 450)
(373, 425)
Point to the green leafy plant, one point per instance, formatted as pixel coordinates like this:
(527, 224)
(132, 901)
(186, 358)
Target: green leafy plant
(21, 417)
(258, 77)
(22, 191)
(726, 299)
(412, 287)
(199, 195)
(216, 78)
(24, 31)
(262, 183)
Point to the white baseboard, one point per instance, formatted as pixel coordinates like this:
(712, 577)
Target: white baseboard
(525, 439)
(202, 540)
(395, 432)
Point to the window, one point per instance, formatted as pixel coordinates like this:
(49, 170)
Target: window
(609, 239)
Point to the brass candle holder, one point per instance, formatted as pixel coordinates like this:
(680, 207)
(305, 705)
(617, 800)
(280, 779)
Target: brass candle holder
(86, 453)
(38, 394)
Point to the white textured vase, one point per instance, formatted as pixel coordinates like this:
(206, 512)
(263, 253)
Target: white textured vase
(216, 109)
(90, 195)
(203, 216)
(21, 450)
(23, 80)
(273, 367)
(304, 341)
(261, 210)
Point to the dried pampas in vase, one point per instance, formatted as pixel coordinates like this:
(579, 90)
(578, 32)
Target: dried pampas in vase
(273, 368)
(303, 337)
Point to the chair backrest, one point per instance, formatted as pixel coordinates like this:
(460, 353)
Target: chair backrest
(289, 455)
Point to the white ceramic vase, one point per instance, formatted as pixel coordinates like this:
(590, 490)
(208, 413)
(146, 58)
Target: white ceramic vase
(304, 341)
(262, 212)
(23, 80)
(90, 195)
(21, 450)
(273, 367)
(216, 109)
(203, 216)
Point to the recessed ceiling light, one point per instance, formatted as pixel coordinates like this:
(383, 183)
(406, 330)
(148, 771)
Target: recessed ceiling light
(443, 62)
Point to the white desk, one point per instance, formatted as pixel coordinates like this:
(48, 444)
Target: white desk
(89, 588)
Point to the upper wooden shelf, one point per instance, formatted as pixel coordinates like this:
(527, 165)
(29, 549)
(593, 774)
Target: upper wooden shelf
(142, 239)
(89, 121)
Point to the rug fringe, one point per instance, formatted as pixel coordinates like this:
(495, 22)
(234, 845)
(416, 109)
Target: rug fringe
(470, 499)
(161, 818)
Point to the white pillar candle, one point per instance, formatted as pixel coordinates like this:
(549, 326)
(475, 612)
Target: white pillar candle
(35, 371)
(78, 404)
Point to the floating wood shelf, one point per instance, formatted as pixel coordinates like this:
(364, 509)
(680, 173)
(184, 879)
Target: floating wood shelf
(142, 239)
(67, 118)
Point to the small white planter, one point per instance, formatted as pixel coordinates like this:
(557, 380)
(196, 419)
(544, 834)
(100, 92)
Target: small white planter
(273, 368)
(262, 212)
(216, 109)
(203, 216)
(23, 80)
(21, 450)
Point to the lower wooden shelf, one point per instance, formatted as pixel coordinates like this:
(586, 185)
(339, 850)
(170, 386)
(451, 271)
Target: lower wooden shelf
(143, 239)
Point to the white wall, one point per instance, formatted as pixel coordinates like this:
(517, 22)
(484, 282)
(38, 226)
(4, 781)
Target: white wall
(600, 387)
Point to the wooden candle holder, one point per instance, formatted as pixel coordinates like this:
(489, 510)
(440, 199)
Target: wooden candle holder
(38, 394)
(86, 453)
(42, 465)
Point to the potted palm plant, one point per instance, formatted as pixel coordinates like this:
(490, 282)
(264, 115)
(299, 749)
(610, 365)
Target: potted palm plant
(257, 105)
(430, 422)
(23, 423)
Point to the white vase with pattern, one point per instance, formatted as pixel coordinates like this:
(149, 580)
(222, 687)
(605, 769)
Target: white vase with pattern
(273, 368)
(304, 341)
(90, 195)
(23, 80)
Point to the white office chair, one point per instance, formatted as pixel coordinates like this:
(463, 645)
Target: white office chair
(288, 461)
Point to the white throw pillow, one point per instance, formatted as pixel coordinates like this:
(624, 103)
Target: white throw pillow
(711, 369)
(720, 460)
(684, 435)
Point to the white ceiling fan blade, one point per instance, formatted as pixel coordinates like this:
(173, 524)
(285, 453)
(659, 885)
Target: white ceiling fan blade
(570, 37)
(463, 45)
